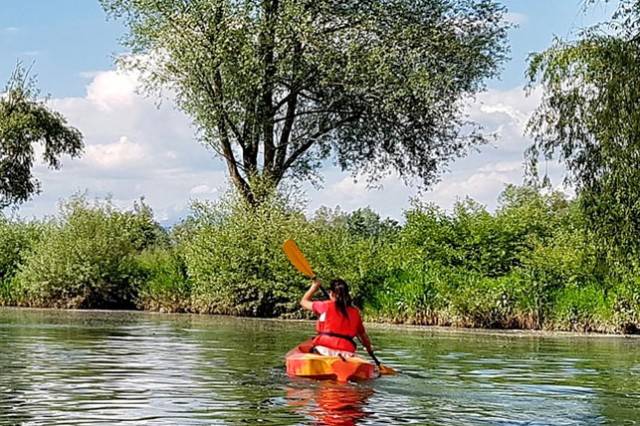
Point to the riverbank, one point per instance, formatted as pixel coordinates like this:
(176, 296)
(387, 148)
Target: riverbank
(531, 264)
(306, 324)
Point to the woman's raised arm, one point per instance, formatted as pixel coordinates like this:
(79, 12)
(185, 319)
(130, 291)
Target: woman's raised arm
(306, 301)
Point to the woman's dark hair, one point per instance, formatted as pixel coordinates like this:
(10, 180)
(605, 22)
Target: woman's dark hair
(340, 290)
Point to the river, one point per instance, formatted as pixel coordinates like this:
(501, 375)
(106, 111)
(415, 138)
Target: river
(88, 367)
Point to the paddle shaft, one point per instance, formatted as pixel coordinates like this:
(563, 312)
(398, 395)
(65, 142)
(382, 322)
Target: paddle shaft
(373, 356)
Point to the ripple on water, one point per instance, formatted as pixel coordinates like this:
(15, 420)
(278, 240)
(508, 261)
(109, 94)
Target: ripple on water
(108, 368)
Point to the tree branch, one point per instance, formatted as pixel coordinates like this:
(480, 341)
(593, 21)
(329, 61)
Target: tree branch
(296, 88)
(232, 164)
(307, 112)
(267, 45)
(310, 141)
(292, 104)
(250, 149)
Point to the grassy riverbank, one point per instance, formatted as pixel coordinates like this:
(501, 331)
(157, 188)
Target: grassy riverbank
(531, 264)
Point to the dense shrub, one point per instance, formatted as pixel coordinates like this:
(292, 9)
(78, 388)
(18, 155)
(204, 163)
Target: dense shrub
(530, 264)
(16, 240)
(164, 286)
(625, 303)
(582, 308)
(86, 257)
(350, 246)
(234, 260)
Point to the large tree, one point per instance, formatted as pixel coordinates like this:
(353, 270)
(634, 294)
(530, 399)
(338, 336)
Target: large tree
(25, 121)
(590, 117)
(277, 86)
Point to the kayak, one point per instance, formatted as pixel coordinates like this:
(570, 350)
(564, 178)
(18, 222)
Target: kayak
(301, 363)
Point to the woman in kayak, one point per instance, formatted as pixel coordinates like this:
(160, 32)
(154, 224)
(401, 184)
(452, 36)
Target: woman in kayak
(338, 321)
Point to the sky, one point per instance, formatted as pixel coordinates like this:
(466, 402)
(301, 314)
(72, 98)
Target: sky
(137, 148)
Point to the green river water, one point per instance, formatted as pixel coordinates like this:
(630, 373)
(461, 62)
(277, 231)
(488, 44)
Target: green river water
(62, 367)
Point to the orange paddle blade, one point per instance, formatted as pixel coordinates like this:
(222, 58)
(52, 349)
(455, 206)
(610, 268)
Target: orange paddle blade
(297, 259)
(386, 370)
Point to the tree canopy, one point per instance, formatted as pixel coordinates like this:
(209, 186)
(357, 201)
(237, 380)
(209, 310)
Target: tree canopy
(24, 121)
(590, 117)
(276, 87)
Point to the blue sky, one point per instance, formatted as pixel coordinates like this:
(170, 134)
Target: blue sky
(134, 149)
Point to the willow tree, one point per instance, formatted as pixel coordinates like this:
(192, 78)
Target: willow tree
(277, 86)
(26, 121)
(590, 117)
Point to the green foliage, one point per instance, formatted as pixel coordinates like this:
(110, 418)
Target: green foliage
(474, 268)
(16, 240)
(582, 308)
(165, 286)
(411, 293)
(625, 297)
(25, 121)
(366, 223)
(590, 117)
(378, 85)
(350, 246)
(86, 257)
(532, 263)
(474, 239)
(234, 258)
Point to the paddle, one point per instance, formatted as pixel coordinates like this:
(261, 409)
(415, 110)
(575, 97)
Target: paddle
(383, 369)
(300, 262)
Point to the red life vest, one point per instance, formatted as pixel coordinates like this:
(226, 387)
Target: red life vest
(336, 331)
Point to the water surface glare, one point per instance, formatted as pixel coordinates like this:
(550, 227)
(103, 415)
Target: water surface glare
(72, 368)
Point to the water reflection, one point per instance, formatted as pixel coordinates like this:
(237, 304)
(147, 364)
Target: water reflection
(329, 402)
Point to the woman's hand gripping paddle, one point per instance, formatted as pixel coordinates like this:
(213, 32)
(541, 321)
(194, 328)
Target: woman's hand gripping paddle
(300, 262)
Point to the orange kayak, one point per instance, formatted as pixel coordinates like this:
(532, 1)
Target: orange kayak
(315, 366)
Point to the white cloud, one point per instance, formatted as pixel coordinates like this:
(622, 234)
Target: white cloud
(518, 117)
(134, 149)
(481, 175)
(480, 180)
(11, 29)
(202, 189)
(89, 75)
(506, 112)
(483, 186)
(113, 89)
(115, 155)
(502, 167)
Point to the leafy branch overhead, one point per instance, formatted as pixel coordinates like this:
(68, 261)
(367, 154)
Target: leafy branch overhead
(25, 121)
(590, 117)
(278, 86)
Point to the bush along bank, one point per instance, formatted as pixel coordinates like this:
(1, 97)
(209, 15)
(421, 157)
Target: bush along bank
(530, 264)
